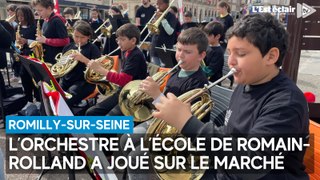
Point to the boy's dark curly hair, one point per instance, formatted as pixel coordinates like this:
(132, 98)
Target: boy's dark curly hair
(264, 31)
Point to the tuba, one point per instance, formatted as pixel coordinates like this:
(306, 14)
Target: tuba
(154, 27)
(136, 103)
(64, 63)
(37, 46)
(104, 86)
(202, 104)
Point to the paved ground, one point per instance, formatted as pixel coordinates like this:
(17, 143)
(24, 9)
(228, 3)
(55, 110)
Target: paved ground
(309, 73)
(308, 80)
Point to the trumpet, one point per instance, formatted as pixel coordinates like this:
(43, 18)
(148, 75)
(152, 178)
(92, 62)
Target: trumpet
(143, 45)
(162, 129)
(102, 25)
(136, 103)
(105, 30)
(69, 27)
(154, 27)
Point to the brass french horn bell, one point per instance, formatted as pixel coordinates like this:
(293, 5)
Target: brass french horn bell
(159, 128)
(64, 64)
(134, 102)
(104, 86)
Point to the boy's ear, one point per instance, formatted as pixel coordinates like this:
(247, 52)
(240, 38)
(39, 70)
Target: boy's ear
(134, 40)
(273, 56)
(218, 36)
(203, 55)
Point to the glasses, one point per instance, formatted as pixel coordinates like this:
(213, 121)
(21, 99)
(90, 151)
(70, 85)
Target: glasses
(120, 39)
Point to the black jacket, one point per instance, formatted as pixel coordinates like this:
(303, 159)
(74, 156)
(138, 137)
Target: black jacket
(6, 38)
(277, 109)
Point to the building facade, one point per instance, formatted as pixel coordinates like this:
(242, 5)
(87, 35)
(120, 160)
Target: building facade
(83, 5)
(202, 10)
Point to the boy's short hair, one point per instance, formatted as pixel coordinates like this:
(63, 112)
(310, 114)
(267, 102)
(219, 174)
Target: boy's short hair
(193, 36)
(166, 1)
(174, 9)
(11, 7)
(214, 28)
(94, 9)
(43, 3)
(187, 14)
(68, 10)
(130, 31)
(83, 27)
(263, 31)
(116, 9)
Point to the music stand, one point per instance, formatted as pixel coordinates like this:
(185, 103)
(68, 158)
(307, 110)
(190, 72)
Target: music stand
(2, 110)
(39, 72)
(167, 56)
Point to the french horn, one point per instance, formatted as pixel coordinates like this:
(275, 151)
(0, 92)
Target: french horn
(104, 86)
(202, 104)
(64, 64)
(134, 102)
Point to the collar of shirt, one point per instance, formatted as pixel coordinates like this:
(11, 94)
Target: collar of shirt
(127, 53)
(184, 73)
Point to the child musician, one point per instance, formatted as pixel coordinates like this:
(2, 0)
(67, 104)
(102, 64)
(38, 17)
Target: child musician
(191, 49)
(26, 31)
(265, 104)
(55, 35)
(74, 82)
(134, 67)
(215, 59)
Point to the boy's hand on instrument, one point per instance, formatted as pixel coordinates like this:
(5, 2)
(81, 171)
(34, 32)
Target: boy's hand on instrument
(22, 41)
(158, 14)
(41, 39)
(97, 67)
(150, 87)
(80, 57)
(173, 111)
